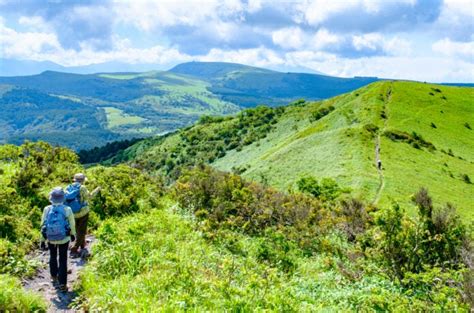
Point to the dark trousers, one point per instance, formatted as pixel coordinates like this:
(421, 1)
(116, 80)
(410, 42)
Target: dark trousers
(81, 231)
(61, 270)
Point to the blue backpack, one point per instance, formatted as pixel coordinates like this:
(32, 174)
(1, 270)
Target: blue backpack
(56, 223)
(73, 197)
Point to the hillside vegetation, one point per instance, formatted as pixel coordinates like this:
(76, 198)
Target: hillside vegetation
(215, 241)
(87, 111)
(423, 133)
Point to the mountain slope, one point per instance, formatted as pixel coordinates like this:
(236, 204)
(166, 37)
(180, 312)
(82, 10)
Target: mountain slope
(249, 86)
(423, 131)
(145, 104)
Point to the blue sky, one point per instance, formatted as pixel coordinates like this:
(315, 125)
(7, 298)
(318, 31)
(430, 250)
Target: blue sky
(428, 40)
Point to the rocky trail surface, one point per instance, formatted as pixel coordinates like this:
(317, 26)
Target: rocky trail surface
(57, 300)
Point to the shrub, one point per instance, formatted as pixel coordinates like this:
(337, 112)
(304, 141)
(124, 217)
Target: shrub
(414, 139)
(466, 178)
(356, 219)
(434, 239)
(320, 113)
(467, 125)
(124, 190)
(371, 128)
(326, 190)
(13, 298)
(227, 201)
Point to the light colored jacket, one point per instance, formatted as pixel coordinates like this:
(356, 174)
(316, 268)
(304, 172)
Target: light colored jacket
(70, 218)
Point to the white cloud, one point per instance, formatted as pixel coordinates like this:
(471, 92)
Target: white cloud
(256, 56)
(376, 42)
(455, 49)
(149, 15)
(35, 23)
(316, 12)
(323, 38)
(42, 46)
(25, 45)
(296, 38)
(371, 41)
(459, 7)
(432, 69)
(291, 37)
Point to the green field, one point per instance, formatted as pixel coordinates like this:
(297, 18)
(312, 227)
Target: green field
(117, 118)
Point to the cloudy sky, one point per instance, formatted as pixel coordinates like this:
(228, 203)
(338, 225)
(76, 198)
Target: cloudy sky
(428, 40)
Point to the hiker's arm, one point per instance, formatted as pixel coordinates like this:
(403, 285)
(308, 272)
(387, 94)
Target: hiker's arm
(72, 222)
(94, 192)
(43, 218)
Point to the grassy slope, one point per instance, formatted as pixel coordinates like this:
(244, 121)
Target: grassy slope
(337, 145)
(158, 261)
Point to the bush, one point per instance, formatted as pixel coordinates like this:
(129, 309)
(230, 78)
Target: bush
(326, 190)
(415, 139)
(13, 298)
(223, 200)
(123, 190)
(434, 239)
(320, 113)
(466, 178)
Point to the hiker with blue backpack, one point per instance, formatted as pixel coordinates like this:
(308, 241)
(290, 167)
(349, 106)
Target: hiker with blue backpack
(77, 197)
(58, 229)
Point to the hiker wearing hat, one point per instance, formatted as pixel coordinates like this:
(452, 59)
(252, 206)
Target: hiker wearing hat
(58, 228)
(77, 197)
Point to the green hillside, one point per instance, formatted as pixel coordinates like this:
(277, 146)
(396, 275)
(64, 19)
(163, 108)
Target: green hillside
(213, 241)
(68, 109)
(423, 131)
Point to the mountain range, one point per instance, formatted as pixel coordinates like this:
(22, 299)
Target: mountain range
(88, 110)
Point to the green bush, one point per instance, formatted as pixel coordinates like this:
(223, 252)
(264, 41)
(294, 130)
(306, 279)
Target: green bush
(326, 190)
(13, 298)
(123, 190)
(425, 254)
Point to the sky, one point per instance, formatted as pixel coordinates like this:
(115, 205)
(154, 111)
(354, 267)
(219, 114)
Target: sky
(426, 40)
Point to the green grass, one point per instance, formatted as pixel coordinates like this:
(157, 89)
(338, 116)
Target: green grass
(158, 261)
(13, 298)
(337, 145)
(117, 118)
(340, 145)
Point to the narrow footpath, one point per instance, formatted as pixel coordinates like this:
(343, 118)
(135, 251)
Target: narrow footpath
(41, 283)
(378, 158)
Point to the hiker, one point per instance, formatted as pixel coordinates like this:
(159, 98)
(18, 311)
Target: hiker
(379, 164)
(77, 197)
(58, 228)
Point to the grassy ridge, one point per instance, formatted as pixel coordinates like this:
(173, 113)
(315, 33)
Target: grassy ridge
(422, 131)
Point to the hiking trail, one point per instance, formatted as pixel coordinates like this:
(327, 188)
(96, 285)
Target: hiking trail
(377, 147)
(56, 300)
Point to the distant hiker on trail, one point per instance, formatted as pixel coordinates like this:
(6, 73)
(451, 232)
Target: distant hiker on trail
(57, 228)
(379, 164)
(77, 197)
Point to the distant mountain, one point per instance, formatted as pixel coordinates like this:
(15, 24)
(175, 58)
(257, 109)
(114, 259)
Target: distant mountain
(127, 105)
(11, 67)
(249, 86)
(424, 135)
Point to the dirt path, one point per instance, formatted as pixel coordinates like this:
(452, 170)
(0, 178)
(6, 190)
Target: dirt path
(378, 158)
(41, 283)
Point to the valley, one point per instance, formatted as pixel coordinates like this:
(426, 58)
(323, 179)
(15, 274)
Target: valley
(118, 106)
